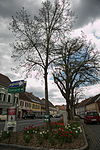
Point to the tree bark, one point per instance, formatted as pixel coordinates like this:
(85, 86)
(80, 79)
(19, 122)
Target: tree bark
(46, 99)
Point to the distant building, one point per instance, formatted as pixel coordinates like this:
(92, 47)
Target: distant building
(60, 108)
(52, 108)
(28, 104)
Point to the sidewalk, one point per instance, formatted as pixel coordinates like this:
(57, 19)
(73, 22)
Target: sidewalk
(93, 136)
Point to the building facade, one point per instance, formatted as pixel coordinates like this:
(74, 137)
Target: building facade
(6, 99)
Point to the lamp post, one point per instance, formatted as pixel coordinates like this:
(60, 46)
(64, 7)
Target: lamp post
(17, 110)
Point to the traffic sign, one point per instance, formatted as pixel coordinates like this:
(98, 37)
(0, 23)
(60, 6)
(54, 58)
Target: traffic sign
(17, 86)
(16, 90)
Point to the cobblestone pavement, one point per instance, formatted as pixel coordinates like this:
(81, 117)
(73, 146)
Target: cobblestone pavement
(93, 136)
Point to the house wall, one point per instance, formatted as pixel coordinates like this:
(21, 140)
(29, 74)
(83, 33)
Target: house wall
(91, 107)
(7, 100)
(98, 106)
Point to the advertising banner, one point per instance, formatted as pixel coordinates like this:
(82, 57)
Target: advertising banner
(11, 115)
(10, 124)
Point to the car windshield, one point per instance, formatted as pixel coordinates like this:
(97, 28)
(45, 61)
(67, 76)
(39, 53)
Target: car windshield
(92, 114)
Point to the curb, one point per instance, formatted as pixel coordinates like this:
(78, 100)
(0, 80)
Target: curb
(19, 147)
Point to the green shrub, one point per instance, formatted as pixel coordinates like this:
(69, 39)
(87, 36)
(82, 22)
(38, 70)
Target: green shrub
(27, 138)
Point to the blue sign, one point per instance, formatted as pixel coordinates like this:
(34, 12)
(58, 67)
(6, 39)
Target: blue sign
(19, 83)
(17, 86)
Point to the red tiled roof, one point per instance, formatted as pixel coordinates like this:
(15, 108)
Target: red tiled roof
(61, 107)
(4, 80)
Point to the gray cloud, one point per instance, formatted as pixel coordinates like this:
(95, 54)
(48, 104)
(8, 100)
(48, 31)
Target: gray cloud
(86, 10)
(9, 7)
(36, 91)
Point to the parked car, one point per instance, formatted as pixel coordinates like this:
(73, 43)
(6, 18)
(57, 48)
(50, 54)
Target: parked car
(29, 116)
(91, 116)
(40, 116)
(57, 116)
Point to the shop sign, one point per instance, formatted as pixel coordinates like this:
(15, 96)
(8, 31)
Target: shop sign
(11, 114)
(10, 124)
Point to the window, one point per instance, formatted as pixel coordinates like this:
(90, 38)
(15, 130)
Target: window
(9, 97)
(16, 100)
(0, 111)
(4, 97)
(26, 104)
(33, 106)
(1, 96)
(92, 113)
(21, 103)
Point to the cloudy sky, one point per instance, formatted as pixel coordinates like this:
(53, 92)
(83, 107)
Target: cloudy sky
(88, 13)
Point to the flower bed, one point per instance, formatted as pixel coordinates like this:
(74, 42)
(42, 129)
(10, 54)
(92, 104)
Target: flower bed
(59, 136)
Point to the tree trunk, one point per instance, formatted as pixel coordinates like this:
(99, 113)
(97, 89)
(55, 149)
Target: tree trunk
(46, 98)
(68, 111)
(46, 93)
(72, 113)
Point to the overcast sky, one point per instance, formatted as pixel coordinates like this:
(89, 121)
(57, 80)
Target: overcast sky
(88, 13)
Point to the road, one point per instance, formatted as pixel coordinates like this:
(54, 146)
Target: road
(21, 124)
(93, 136)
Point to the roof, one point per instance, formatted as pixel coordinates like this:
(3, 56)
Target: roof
(24, 97)
(50, 104)
(61, 107)
(94, 99)
(89, 101)
(33, 98)
(28, 97)
(83, 103)
(4, 80)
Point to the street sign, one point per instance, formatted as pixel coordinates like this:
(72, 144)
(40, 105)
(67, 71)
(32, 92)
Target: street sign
(17, 86)
(16, 90)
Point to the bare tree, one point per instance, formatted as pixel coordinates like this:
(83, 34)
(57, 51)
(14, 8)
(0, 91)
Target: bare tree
(79, 66)
(36, 39)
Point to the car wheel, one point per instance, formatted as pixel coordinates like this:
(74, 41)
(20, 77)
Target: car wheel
(85, 121)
